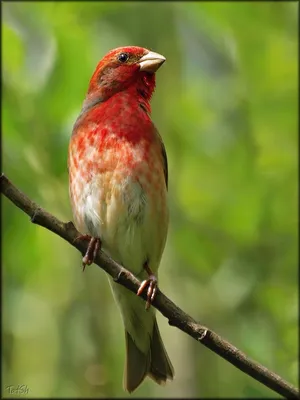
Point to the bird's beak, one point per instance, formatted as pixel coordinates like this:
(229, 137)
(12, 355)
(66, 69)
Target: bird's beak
(151, 62)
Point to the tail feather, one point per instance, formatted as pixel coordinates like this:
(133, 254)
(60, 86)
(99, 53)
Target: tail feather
(156, 363)
(137, 365)
(161, 367)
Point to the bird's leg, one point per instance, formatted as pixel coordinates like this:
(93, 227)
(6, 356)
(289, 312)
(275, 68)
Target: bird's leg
(91, 253)
(82, 237)
(92, 250)
(152, 283)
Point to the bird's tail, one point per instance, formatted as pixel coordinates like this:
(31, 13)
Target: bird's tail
(156, 363)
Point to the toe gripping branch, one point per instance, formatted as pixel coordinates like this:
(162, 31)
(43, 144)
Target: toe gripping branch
(92, 250)
(151, 282)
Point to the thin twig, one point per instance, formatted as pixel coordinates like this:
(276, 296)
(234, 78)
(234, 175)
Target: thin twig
(175, 315)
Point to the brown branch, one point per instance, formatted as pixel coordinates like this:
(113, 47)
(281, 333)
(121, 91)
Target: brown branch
(175, 315)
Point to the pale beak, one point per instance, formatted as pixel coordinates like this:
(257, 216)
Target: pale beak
(151, 62)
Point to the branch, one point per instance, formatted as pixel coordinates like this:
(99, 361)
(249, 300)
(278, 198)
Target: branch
(175, 315)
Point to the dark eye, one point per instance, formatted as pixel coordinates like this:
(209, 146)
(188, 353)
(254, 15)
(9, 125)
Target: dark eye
(123, 57)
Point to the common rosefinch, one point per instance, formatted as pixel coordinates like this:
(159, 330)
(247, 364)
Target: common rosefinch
(118, 187)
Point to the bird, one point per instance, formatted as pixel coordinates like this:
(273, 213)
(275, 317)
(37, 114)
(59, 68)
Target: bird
(118, 184)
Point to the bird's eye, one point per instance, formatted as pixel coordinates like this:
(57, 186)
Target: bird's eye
(123, 57)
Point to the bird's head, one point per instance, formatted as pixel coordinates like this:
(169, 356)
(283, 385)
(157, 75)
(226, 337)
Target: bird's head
(122, 68)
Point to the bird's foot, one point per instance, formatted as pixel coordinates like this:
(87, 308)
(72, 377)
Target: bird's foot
(82, 237)
(151, 282)
(92, 250)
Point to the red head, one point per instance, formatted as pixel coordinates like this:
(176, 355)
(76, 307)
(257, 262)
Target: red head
(121, 69)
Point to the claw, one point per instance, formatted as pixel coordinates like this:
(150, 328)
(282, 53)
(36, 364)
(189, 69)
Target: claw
(96, 248)
(92, 250)
(152, 289)
(82, 237)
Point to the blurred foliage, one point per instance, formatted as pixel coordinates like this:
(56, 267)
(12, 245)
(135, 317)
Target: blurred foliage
(226, 105)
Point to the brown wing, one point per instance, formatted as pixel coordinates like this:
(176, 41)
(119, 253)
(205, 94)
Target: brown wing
(164, 156)
(161, 143)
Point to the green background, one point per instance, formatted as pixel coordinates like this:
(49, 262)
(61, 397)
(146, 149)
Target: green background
(226, 106)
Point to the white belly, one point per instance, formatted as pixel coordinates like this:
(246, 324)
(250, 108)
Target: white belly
(131, 226)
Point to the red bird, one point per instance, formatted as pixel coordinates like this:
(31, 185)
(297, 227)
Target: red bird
(118, 176)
